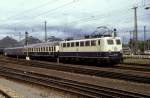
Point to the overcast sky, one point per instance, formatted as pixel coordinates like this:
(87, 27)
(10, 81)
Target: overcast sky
(70, 17)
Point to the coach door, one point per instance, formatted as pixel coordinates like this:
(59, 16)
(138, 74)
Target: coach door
(98, 45)
(77, 48)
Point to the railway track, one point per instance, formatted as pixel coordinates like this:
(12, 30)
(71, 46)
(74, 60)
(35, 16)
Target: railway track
(145, 68)
(118, 72)
(4, 94)
(128, 66)
(87, 90)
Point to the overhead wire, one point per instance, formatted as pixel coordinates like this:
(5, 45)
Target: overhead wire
(31, 9)
(52, 10)
(100, 17)
(66, 4)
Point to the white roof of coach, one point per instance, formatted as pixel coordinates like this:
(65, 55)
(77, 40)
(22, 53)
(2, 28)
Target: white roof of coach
(43, 44)
(15, 47)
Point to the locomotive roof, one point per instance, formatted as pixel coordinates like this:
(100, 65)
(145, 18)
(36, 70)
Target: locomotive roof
(91, 39)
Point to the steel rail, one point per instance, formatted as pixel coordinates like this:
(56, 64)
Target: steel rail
(4, 94)
(101, 72)
(69, 85)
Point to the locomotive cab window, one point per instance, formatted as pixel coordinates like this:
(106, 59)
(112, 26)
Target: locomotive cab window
(118, 42)
(110, 42)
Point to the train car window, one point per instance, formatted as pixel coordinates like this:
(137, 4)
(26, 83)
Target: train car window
(49, 48)
(46, 49)
(54, 49)
(99, 42)
(72, 44)
(110, 42)
(87, 43)
(64, 44)
(41, 49)
(77, 44)
(93, 43)
(68, 44)
(81, 43)
(118, 42)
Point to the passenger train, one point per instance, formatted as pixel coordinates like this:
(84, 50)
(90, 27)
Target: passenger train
(92, 49)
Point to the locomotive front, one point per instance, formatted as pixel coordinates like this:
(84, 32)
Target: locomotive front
(113, 49)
